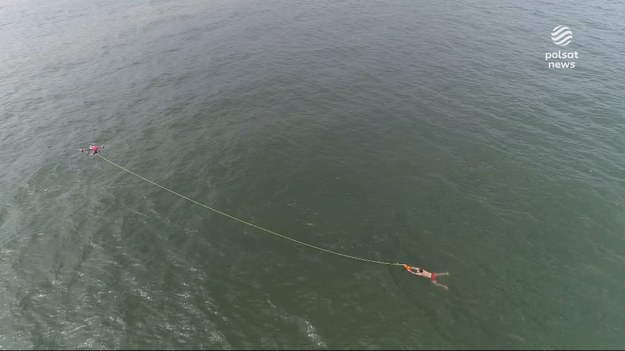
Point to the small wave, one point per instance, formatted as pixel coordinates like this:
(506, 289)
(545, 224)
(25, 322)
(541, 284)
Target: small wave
(304, 326)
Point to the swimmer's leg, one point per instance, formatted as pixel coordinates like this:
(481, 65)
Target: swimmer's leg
(441, 285)
(439, 274)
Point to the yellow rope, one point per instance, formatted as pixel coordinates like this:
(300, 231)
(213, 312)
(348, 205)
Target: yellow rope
(245, 222)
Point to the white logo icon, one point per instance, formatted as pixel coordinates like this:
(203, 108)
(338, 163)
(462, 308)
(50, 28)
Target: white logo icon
(561, 35)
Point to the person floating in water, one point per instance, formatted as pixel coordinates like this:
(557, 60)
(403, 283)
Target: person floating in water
(92, 149)
(423, 273)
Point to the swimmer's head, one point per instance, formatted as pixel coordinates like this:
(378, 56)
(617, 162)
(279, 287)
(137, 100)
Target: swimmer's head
(420, 270)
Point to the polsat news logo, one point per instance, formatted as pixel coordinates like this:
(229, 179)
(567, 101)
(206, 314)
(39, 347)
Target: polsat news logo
(561, 36)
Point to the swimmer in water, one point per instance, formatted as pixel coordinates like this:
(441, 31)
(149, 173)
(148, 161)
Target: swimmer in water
(92, 149)
(430, 275)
